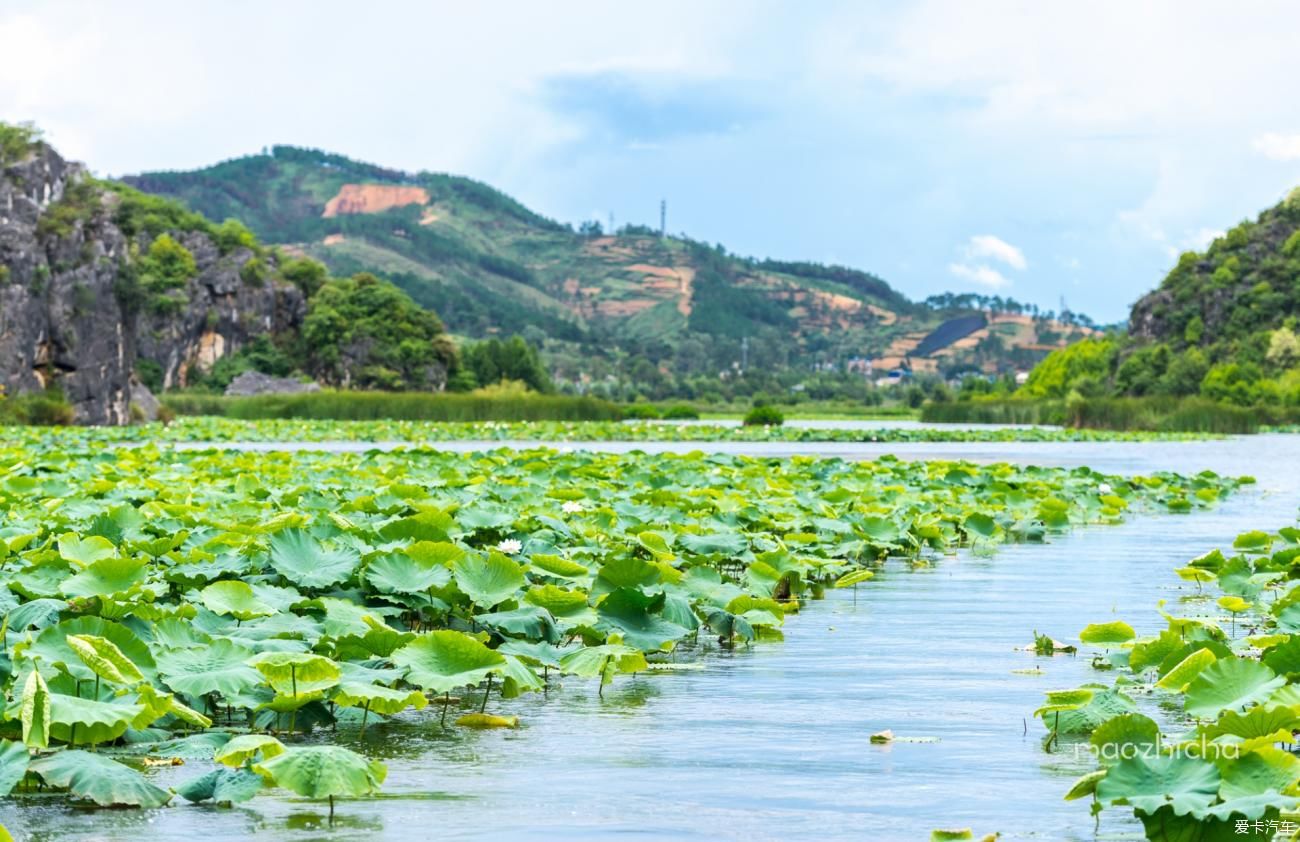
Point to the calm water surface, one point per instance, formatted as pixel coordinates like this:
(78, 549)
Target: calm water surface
(772, 743)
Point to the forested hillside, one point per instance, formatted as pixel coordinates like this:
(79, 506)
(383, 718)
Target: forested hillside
(667, 313)
(1222, 324)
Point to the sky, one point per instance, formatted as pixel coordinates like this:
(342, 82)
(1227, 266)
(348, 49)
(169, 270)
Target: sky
(1034, 150)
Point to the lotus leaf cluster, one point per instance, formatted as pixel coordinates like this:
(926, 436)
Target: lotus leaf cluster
(1233, 673)
(217, 429)
(237, 607)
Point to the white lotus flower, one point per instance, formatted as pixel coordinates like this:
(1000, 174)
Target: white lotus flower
(571, 507)
(510, 546)
(1104, 488)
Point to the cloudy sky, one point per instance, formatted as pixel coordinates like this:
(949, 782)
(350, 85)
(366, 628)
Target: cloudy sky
(1036, 150)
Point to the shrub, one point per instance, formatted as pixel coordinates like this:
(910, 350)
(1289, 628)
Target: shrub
(681, 412)
(646, 411)
(764, 416)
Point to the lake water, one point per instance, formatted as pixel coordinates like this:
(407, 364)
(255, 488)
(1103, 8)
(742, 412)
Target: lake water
(773, 742)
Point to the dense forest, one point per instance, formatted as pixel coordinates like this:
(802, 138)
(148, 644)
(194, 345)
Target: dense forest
(1222, 325)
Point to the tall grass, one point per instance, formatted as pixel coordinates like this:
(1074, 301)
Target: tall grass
(1169, 414)
(405, 406)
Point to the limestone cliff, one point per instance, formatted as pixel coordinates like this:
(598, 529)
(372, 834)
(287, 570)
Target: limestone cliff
(79, 309)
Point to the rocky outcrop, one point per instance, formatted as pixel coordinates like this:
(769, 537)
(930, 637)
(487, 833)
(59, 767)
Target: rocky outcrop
(67, 318)
(222, 313)
(256, 383)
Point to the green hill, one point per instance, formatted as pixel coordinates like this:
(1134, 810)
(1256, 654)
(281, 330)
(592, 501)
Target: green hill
(658, 310)
(1221, 325)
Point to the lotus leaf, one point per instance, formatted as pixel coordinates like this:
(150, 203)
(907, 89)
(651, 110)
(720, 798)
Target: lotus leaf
(298, 557)
(487, 580)
(1147, 783)
(1230, 683)
(441, 661)
(99, 779)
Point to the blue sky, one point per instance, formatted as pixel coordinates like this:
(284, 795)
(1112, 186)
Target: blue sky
(1036, 150)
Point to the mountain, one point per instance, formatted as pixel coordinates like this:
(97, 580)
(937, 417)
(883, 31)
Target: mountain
(606, 304)
(96, 279)
(1221, 324)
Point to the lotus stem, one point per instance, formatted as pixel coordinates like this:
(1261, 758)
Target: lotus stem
(486, 693)
(331, 808)
(293, 683)
(446, 703)
(365, 712)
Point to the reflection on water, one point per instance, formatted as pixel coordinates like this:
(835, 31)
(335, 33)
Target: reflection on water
(773, 742)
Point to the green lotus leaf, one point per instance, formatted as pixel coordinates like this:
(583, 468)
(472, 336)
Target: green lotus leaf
(518, 678)
(14, 759)
(298, 557)
(757, 611)
(721, 543)
(528, 621)
(1284, 658)
(35, 711)
(377, 698)
(104, 659)
(82, 552)
(94, 721)
(323, 772)
(542, 654)
(158, 704)
(246, 747)
(1245, 807)
(425, 526)
(1230, 683)
(1124, 736)
(51, 646)
(636, 616)
(624, 572)
(561, 603)
(200, 746)
(1086, 785)
(233, 598)
(442, 661)
(487, 580)
(106, 576)
(1259, 772)
(560, 568)
(223, 786)
(1255, 541)
(980, 524)
(1178, 678)
(1104, 705)
(221, 668)
(854, 577)
(403, 574)
(100, 779)
(1103, 634)
(605, 661)
(951, 834)
(38, 613)
(1147, 783)
(1261, 721)
(1059, 700)
(296, 673)
(656, 544)
(706, 585)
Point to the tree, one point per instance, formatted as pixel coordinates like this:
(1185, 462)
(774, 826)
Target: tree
(361, 332)
(514, 359)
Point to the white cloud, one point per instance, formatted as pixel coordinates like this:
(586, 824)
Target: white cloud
(985, 276)
(995, 248)
(1279, 147)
